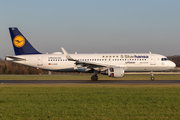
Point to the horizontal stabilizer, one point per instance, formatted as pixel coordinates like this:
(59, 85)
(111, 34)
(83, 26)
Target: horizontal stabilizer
(15, 58)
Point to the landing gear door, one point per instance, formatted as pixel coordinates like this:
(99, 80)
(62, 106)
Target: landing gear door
(153, 60)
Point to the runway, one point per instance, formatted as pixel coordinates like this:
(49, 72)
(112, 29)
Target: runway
(89, 82)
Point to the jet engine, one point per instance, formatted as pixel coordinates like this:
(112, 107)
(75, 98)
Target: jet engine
(116, 72)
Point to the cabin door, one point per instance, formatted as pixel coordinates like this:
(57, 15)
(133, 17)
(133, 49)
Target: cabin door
(153, 60)
(40, 61)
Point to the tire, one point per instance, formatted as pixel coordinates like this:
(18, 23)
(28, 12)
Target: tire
(152, 78)
(94, 78)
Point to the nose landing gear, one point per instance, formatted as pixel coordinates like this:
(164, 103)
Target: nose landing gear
(152, 76)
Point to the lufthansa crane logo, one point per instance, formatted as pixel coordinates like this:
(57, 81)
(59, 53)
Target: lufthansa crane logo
(19, 41)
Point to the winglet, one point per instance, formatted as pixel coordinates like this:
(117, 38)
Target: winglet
(67, 55)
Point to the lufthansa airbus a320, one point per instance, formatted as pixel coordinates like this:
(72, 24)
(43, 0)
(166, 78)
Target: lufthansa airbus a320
(113, 65)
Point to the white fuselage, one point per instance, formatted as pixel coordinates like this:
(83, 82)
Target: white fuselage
(130, 62)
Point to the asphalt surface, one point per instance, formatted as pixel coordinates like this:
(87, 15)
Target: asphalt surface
(89, 82)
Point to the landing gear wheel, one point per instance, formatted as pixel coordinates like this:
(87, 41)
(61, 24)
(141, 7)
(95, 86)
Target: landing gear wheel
(94, 78)
(152, 78)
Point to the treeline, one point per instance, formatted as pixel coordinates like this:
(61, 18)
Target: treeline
(13, 68)
(175, 59)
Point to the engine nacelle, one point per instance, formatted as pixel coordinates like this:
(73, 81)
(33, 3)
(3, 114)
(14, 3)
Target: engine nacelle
(80, 69)
(116, 72)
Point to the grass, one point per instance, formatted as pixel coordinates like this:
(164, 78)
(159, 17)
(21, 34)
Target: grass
(88, 102)
(88, 77)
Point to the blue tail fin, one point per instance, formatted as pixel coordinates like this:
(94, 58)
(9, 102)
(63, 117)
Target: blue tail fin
(20, 43)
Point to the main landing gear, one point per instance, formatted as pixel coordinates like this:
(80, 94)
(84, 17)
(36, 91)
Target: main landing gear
(94, 77)
(152, 76)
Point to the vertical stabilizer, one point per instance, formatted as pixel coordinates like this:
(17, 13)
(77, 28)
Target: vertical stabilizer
(20, 43)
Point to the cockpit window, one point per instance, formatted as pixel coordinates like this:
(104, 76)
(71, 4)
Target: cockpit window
(164, 59)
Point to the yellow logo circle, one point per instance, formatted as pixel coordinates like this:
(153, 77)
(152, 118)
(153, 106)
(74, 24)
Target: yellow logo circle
(19, 41)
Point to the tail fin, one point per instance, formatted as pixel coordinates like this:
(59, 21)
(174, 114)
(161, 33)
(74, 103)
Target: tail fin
(20, 43)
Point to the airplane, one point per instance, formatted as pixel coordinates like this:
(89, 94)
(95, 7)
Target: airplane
(114, 65)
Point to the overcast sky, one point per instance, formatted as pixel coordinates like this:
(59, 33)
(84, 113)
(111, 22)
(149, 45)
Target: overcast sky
(93, 26)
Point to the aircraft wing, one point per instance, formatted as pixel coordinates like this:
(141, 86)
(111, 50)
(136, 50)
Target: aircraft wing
(87, 64)
(15, 58)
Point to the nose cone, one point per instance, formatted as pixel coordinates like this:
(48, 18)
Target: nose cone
(172, 65)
